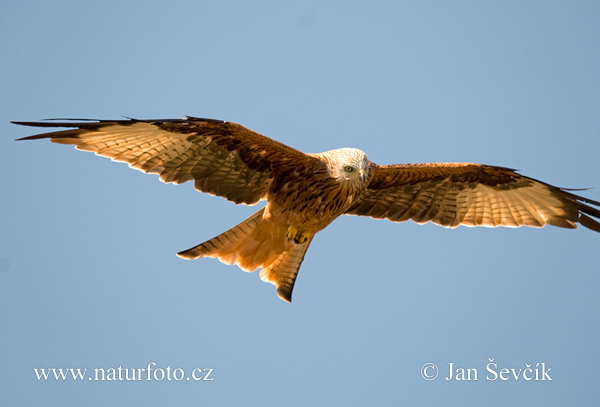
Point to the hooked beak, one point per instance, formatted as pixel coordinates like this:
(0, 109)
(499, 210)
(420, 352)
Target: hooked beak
(361, 174)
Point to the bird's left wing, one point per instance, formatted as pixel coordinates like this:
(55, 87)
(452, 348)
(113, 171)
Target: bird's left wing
(453, 194)
(222, 158)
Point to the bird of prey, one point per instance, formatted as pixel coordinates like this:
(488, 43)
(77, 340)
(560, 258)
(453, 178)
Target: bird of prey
(306, 192)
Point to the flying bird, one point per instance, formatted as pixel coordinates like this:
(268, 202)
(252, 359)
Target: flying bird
(306, 192)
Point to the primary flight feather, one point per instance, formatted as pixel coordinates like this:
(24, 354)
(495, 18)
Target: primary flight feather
(306, 192)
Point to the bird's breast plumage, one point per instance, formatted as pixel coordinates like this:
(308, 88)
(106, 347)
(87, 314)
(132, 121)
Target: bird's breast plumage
(310, 202)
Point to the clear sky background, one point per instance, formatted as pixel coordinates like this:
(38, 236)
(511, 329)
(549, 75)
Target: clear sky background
(88, 272)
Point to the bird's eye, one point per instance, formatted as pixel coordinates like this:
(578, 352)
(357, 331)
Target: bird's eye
(348, 168)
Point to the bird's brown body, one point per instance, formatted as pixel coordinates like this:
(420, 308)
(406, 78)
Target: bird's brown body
(306, 192)
(277, 236)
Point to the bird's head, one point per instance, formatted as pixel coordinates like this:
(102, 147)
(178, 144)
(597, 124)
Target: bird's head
(350, 166)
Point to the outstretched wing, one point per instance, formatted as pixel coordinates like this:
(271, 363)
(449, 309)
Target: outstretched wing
(451, 194)
(222, 158)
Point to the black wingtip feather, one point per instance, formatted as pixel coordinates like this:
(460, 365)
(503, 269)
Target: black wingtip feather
(84, 124)
(589, 222)
(61, 122)
(77, 123)
(587, 213)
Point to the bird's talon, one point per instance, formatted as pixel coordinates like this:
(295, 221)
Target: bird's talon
(297, 236)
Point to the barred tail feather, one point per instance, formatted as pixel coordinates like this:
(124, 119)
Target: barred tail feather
(254, 243)
(283, 271)
(223, 246)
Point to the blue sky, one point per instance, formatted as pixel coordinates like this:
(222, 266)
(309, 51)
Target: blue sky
(88, 272)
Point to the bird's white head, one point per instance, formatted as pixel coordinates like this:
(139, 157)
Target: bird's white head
(350, 166)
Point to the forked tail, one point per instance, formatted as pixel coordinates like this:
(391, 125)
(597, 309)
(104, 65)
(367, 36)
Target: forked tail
(254, 243)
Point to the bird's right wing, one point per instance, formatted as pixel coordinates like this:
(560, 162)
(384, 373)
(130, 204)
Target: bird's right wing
(222, 158)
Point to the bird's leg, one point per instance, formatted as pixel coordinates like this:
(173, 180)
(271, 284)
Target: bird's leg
(298, 237)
